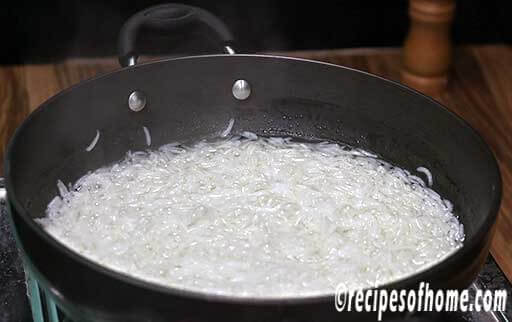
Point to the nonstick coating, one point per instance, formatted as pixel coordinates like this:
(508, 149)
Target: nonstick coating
(189, 99)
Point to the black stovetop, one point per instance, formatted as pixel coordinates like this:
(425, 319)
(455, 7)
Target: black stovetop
(14, 304)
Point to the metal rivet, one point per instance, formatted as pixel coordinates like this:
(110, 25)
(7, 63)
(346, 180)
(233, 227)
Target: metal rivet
(137, 101)
(241, 89)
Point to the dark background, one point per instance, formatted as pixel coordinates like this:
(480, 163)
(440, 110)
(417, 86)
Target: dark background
(39, 31)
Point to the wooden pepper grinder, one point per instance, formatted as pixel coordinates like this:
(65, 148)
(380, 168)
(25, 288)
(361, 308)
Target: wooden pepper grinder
(427, 53)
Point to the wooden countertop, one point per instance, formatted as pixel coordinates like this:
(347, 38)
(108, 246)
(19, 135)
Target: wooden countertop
(480, 91)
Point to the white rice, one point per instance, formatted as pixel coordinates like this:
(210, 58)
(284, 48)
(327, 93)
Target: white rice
(91, 146)
(256, 217)
(147, 135)
(427, 173)
(249, 135)
(227, 131)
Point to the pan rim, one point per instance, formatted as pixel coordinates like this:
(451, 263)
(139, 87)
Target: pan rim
(406, 281)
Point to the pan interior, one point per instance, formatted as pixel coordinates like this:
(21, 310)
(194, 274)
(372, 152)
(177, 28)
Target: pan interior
(190, 99)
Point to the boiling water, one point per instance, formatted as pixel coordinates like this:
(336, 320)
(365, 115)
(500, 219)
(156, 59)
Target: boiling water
(251, 216)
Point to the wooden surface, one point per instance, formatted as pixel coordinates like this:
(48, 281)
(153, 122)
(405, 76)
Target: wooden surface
(480, 90)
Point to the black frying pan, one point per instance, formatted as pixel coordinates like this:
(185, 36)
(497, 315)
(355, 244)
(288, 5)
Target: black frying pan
(189, 98)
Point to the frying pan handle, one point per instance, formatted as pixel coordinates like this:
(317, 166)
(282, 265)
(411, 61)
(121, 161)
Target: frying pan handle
(167, 17)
